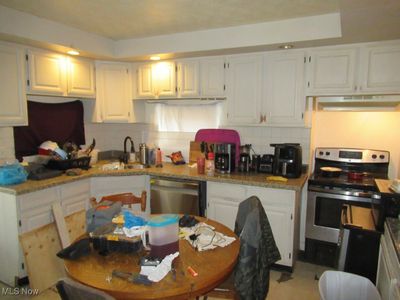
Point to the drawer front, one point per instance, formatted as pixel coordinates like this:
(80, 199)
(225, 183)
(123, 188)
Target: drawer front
(234, 192)
(37, 199)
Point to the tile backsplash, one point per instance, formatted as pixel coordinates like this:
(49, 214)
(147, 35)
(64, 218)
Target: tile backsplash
(111, 137)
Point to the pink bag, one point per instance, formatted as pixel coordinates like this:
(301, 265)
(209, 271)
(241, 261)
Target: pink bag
(219, 136)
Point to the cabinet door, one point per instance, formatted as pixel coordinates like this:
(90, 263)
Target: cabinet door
(188, 78)
(331, 72)
(164, 79)
(380, 69)
(244, 90)
(80, 78)
(12, 86)
(47, 73)
(284, 96)
(223, 201)
(144, 81)
(279, 207)
(212, 77)
(75, 196)
(113, 92)
(36, 208)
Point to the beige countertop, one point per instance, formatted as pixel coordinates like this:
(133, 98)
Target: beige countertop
(168, 170)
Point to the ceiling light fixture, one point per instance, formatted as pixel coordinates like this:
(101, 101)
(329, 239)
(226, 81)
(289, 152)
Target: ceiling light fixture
(73, 52)
(286, 46)
(155, 58)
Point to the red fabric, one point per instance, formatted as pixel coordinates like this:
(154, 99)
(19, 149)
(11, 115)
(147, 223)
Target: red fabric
(219, 136)
(60, 123)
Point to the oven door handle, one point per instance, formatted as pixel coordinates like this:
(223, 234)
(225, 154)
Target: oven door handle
(344, 216)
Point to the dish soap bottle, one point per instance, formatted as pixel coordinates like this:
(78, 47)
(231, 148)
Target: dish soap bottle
(210, 164)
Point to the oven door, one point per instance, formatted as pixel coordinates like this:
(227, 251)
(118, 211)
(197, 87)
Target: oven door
(324, 211)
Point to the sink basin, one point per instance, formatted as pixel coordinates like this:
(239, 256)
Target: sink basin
(118, 166)
(134, 166)
(110, 154)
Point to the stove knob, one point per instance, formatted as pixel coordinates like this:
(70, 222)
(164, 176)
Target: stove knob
(381, 156)
(321, 153)
(374, 156)
(327, 153)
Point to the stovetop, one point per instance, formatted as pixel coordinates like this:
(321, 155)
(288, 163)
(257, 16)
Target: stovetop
(373, 164)
(367, 183)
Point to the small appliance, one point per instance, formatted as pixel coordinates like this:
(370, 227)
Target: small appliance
(287, 160)
(224, 157)
(266, 163)
(244, 158)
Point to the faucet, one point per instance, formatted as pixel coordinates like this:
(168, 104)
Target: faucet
(125, 156)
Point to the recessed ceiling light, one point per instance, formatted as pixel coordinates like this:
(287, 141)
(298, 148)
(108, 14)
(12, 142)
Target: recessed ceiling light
(286, 46)
(155, 58)
(73, 52)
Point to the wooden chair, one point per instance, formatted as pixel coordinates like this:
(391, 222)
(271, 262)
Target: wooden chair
(125, 199)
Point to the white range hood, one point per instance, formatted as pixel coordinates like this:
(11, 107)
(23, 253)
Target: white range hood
(358, 103)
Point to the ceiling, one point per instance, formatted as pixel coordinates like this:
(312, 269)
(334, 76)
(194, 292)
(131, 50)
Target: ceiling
(125, 19)
(135, 20)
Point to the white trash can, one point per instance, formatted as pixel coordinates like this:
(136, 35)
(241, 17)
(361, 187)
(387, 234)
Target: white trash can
(337, 285)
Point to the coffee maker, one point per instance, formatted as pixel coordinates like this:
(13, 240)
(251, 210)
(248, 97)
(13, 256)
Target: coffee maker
(287, 160)
(244, 158)
(224, 157)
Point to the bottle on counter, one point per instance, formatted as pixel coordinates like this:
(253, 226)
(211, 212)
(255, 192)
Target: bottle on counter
(210, 164)
(158, 158)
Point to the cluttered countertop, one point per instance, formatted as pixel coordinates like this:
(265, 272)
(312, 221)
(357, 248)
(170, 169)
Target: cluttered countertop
(185, 171)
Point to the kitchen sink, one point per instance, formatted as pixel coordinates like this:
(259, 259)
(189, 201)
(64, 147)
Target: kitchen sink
(116, 165)
(110, 154)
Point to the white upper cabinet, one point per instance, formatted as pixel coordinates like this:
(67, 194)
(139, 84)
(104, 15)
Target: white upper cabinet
(164, 79)
(284, 99)
(12, 86)
(144, 84)
(212, 77)
(381, 69)
(244, 89)
(80, 77)
(156, 80)
(113, 93)
(188, 78)
(354, 70)
(331, 71)
(54, 74)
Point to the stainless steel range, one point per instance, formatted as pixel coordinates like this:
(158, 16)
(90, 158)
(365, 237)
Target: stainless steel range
(341, 177)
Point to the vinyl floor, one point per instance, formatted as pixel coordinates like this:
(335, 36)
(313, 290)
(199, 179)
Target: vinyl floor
(299, 285)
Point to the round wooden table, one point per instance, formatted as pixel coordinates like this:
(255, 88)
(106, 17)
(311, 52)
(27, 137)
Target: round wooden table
(212, 266)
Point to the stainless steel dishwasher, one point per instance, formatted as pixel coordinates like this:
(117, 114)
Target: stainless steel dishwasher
(171, 195)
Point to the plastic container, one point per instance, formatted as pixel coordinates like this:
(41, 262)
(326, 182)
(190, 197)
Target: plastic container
(337, 285)
(210, 165)
(163, 235)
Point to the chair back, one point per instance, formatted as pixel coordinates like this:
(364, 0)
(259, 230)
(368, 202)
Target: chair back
(69, 289)
(125, 199)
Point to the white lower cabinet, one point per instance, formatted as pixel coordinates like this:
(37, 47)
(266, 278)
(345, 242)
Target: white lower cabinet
(388, 276)
(281, 207)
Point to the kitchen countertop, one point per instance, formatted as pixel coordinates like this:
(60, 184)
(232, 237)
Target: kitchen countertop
(168, 170)
(394, 231)
(383, 187)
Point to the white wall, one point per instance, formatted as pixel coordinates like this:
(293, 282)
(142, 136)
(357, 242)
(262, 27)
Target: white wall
(373, 130)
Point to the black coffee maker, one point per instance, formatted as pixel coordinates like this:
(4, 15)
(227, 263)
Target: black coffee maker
(287, 160)
(244, 158)
(224, 157)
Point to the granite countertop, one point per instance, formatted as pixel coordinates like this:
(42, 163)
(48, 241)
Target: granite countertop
(168, 170)
(394, 231)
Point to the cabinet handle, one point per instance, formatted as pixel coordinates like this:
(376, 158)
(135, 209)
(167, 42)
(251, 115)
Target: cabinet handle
(261, 118)
(355, 88)
(265, 119)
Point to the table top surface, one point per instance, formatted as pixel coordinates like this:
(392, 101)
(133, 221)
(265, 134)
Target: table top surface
(212, 266)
